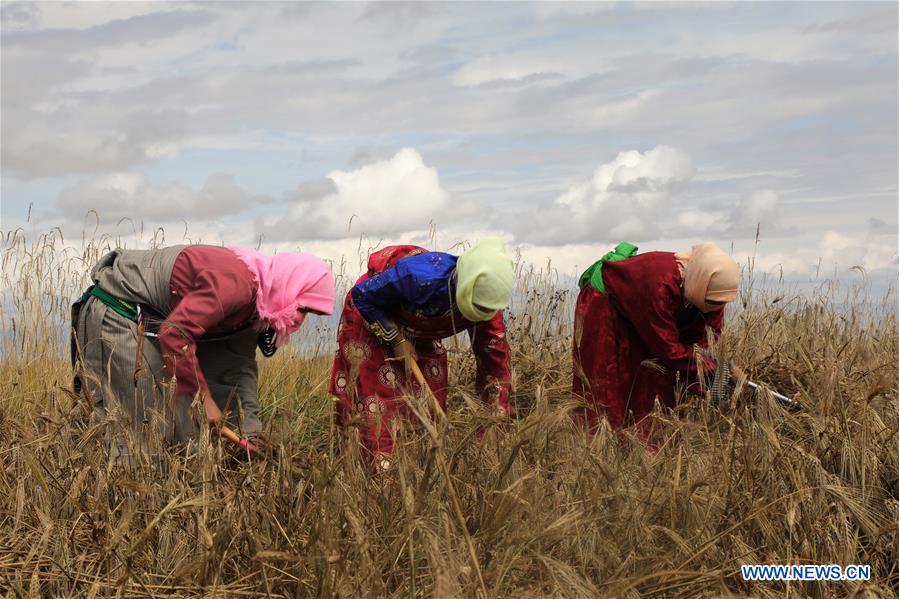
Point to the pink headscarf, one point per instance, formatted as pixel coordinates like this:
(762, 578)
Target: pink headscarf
(709, 274)
(284, 284)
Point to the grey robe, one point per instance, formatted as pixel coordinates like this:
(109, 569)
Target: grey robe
(124, 373)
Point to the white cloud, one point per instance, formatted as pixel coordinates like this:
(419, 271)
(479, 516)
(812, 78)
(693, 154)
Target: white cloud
(699, 221)
(758, 210)
(881, 255)
(646, 178)
(717, 175)
(790, 116)
(831, 255)
(844, 251)
(382, 198)
(486, 69)
(777, 262)
(131, 195)
(19, 16)
(575, 59)
(555, 9)
(77, 15)
(620, 201)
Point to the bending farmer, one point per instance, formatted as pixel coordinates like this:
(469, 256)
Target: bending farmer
(188, 318)
(408, 301)
(640, 329)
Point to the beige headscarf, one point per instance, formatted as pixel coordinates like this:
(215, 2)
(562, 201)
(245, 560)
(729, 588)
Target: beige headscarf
(709, 274)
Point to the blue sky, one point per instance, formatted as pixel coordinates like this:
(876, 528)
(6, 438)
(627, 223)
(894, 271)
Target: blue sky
(562, 127)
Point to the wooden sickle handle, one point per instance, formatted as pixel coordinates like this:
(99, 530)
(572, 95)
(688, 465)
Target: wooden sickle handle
(416, 372)
(237, 440)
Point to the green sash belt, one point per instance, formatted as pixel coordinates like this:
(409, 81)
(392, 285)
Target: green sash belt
(593, 275)
(121, 307)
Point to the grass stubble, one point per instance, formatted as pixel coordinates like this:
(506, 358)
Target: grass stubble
(543, 509)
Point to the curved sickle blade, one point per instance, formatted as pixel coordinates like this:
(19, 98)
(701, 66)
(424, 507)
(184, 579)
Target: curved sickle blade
(783, 400)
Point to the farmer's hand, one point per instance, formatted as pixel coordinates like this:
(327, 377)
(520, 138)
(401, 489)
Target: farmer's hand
(738, 375)
(404, 350)
(265, 442)
(213, 413)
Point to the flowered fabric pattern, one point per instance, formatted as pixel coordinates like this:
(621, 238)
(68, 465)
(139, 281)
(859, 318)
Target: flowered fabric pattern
(412, 288)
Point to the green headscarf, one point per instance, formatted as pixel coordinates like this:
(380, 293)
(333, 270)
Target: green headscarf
(593, 275)
(484, 276)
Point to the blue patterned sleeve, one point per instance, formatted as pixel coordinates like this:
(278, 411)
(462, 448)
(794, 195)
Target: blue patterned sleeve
(376, 296)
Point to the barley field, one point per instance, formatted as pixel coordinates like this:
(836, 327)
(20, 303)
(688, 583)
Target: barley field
(535, 508)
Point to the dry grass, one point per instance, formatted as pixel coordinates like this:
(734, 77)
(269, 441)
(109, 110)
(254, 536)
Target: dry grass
(547, 510)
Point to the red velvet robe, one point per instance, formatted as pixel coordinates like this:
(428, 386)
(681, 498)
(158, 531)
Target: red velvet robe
(367, 383)
(213, 293)
(638, 342)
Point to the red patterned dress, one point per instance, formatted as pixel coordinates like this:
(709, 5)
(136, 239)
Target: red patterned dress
(417, 297)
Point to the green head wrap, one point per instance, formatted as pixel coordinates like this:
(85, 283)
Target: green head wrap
(593, 275)
(484, 276)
